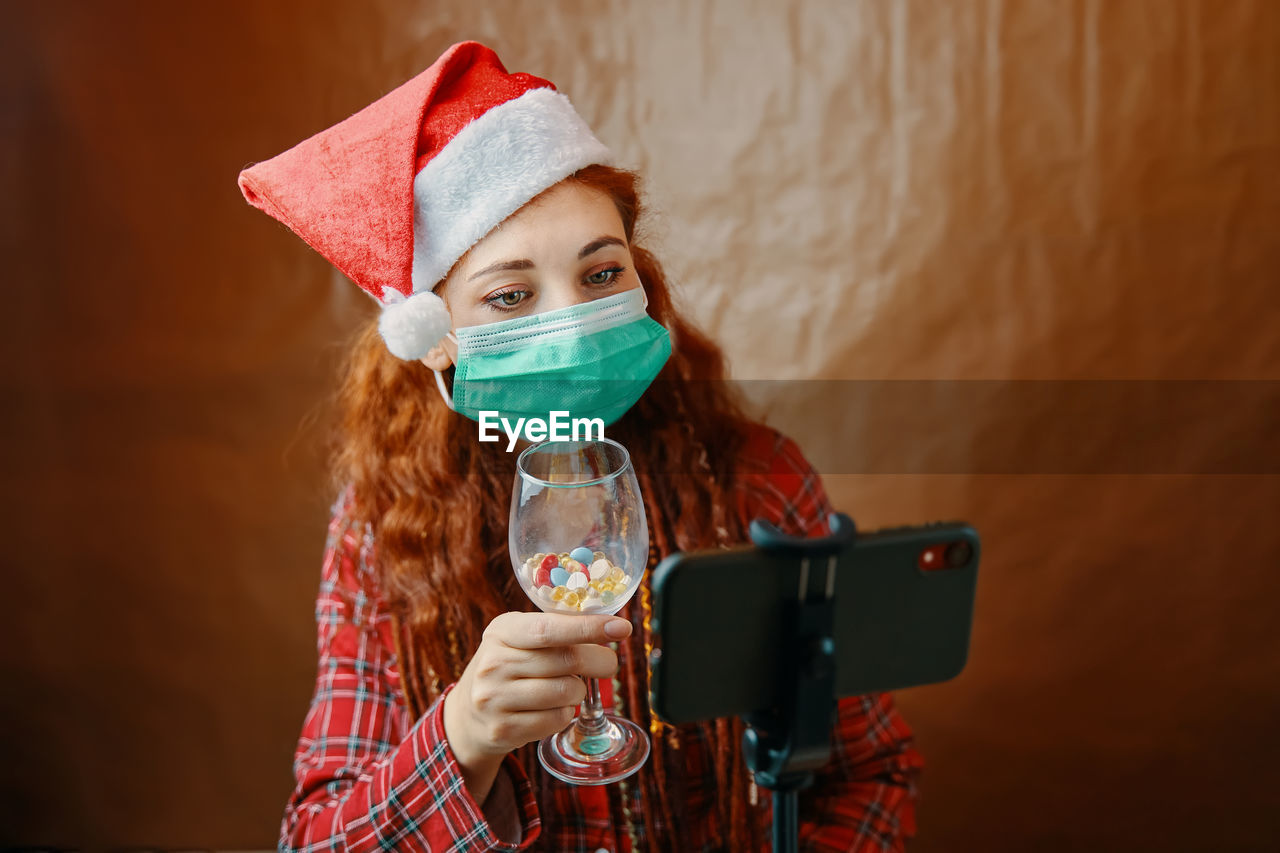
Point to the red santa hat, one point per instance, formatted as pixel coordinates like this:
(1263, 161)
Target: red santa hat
(394, 195)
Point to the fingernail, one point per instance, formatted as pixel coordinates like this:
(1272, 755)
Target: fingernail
(617, 628)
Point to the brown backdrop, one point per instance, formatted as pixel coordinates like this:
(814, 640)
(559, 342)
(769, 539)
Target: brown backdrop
(858, 192)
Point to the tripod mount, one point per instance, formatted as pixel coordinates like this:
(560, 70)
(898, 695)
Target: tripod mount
(784, 745)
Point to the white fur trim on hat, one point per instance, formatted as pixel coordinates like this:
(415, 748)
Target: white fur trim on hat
(412, 326)
(489, 170)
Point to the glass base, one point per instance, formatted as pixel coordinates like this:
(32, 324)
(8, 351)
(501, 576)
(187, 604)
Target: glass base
(581, 757)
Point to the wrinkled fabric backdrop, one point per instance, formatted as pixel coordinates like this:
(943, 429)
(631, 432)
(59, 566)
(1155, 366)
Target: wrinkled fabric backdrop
(957, 214)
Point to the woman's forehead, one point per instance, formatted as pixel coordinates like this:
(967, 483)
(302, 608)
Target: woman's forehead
(562, 220)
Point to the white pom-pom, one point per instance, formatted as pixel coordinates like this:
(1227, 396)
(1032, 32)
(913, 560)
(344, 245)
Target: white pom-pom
(412, 326)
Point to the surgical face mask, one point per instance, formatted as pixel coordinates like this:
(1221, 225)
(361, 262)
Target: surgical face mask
(592, 360)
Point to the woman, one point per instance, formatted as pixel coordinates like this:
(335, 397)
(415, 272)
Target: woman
(470, 197)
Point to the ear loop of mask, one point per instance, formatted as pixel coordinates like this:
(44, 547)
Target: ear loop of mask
(444, 393)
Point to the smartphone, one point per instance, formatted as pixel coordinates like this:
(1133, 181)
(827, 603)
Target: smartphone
(903, 611)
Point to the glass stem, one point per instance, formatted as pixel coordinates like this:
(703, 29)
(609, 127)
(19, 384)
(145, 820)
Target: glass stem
(591, 717)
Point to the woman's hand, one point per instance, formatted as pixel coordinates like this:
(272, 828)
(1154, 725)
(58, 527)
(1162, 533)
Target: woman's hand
(523, 684)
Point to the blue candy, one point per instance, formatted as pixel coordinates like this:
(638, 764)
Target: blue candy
(559, 576)
(582, 555)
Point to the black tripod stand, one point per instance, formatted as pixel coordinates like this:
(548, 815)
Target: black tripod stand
(783, 746)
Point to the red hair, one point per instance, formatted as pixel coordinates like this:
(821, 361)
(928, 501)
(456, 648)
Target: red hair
(437, 501)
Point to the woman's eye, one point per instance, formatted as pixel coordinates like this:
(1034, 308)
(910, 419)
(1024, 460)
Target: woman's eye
(604, 276)
(508, 299)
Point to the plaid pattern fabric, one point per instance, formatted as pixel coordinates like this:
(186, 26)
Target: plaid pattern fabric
(370, 778)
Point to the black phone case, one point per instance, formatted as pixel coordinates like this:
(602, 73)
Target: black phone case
(718, 618)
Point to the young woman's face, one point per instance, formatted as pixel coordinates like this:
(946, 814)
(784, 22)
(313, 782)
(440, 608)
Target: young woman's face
(565, 247)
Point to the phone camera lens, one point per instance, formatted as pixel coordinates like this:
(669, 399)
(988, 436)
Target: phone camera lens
(958, 554)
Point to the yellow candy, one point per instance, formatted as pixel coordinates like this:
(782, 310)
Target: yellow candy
(597, 555)
(564, 558)
(616, 574)
(572, 565)
(572, 599)
(559, 593)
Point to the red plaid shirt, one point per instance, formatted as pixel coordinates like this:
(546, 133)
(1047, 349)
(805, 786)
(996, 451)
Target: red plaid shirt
(370, 778)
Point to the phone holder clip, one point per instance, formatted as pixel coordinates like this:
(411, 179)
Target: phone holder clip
(783, 746)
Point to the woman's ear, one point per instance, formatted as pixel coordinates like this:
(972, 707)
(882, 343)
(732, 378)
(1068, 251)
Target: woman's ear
(437, 358)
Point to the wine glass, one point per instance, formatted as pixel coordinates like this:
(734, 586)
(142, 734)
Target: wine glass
(579, 543)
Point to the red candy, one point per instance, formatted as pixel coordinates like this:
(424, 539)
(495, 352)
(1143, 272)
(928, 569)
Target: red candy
(549, 562)
(542, 577)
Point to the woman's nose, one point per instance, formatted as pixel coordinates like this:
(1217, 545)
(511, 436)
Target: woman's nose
(562, 295)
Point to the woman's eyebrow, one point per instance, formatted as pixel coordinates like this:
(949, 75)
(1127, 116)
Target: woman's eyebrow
(502, 266)
(598, 244)
(526, 264)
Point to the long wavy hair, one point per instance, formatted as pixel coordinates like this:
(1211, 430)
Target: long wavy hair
(437, 502)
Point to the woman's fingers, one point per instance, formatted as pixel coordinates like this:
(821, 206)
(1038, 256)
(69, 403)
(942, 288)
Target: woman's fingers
(521, 727)
(525, 679)
(587, 660)
(548, 630)
(528, 694)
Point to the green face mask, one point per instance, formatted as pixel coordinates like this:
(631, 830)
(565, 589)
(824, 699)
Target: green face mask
(592, 360)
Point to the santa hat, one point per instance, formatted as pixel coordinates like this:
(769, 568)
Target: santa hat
(394, 195)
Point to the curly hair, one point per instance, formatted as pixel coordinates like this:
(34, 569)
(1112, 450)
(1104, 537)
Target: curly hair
(437, 502)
